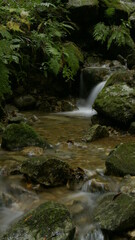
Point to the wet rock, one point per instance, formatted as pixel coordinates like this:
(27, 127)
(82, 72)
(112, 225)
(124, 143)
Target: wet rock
(17, 119)
(33, 151)
(53, 104)
(98, 186)
(116, 101)
(128, 185)
(132, 128)
(92, 76)
(121, 161)
(25, 102)
(121, 10)
(95, 132)
(67, 106)
(77, 178)
(49, 221)
(17, 136)
(49, 171)
(115, 212)
(131, 235)
(131, 60)
(6, 200)
(83, 11)
(2, 128)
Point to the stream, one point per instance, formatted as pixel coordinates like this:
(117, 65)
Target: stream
(65, 133)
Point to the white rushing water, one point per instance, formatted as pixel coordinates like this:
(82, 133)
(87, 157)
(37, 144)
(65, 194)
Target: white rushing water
(85, 105)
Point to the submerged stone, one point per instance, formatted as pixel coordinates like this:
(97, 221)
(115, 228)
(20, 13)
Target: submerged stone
(49, 221)
(95, 132)
(116, 212)
(17, 136)
(49, 171)
(121, 161)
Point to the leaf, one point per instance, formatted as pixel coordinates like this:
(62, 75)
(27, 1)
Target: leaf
(14, 26)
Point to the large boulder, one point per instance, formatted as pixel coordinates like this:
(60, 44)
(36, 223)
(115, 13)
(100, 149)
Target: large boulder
(17, 136)
(116, 101)
(49, 171)
(95, 132)
(82, 11)
(25, 102)
(49, 221)
(116, 212)
(121, 161)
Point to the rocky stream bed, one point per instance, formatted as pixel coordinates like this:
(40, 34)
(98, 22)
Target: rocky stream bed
(79, 201)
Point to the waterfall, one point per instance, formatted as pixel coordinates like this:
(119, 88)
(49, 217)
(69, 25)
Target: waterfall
(93, 94)
(93, 233)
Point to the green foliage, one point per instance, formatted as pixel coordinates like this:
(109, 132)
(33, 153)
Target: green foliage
(109, 12)
(72, 56)
(4, 80)
(32, 36)
(101, 32)
(8, 54)
(118, 35)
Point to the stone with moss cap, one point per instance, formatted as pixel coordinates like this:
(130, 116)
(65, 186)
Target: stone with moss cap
(115, 212)
(49, 171)
(80, 3)
(17, 136)
(50, 220)
(95, 132)
(121, 161)
(116, 101)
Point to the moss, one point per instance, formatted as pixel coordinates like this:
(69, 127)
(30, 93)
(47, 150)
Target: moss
(80, 3)
(95, 132)
(121, 160)
(48, 171)
(116, 212)
(21, 135)
(49, 220)
(116, 101)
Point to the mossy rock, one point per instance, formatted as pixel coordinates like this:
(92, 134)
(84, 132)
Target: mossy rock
(121, 161)
(80, 3)
(132, 128)
(49, 221)
(116, 101)
(25, 102)
(49, 171)
(95, 132)
(116, 212)
(17, 136)
(83, 12)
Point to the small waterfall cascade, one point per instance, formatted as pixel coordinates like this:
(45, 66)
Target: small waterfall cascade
(93, 233)
(85, 105)
(93, 94)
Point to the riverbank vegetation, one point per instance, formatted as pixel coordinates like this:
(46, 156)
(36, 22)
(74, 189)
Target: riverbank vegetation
(33, 37)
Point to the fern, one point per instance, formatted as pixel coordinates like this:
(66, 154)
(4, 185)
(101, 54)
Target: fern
(109, 12)
(72, 58)
(118, 35)
(101, 32)
(4, 80)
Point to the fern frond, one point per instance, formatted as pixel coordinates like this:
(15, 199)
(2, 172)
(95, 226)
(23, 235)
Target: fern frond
(4, 81)
(109, 12)
(14, 26)
(101, 32)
